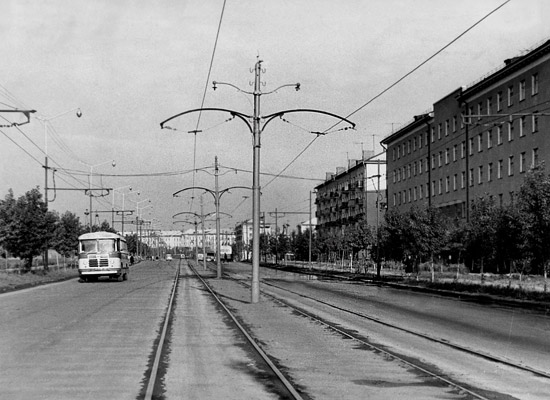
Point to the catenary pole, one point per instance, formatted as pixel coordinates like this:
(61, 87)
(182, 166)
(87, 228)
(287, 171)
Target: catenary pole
(256, 188)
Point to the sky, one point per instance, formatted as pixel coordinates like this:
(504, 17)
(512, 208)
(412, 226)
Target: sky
(129, 65)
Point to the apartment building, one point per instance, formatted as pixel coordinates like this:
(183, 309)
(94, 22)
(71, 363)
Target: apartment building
(478, 140)
(344, 198)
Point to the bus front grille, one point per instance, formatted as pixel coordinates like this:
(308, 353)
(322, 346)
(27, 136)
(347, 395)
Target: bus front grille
(98, 262)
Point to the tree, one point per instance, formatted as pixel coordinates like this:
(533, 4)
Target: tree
(534, 202)
(66, 233)
(27, 225)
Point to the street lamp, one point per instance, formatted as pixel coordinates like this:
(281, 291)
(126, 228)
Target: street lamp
(256, 129)
(217, 194)
(46, 121)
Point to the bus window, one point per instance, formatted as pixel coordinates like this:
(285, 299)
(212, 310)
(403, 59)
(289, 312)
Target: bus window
(106, 245)
(88, 246)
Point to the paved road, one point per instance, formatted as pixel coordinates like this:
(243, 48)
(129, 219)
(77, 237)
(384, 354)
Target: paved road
(76, 340)
(513, 334)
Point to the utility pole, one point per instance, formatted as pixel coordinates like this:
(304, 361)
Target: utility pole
(256, 129)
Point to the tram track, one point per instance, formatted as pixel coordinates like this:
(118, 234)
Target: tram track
(433, 339)
(292, 391)
(394, 355)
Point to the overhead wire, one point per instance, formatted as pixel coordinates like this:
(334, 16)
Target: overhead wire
(393, 84)
(204, 95)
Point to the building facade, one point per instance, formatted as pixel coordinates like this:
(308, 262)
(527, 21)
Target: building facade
(344, 199)
(478, 141)
(243, 237)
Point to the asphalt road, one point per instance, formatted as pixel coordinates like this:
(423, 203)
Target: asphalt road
(74, 340)
(517, 335)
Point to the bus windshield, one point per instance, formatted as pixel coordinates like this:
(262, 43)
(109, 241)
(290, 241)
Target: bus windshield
(97, 245)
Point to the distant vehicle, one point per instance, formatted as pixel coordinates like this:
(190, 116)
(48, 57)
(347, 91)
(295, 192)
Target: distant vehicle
(168, 257)
(210, 256)
(200, 257)
(102, 254)
(226, 253)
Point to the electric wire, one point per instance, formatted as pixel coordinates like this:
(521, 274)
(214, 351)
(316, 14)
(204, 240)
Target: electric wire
(394, 84)
(204, 93)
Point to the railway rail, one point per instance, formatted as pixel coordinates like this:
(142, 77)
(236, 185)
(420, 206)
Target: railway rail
(350, 335)
(154, 378)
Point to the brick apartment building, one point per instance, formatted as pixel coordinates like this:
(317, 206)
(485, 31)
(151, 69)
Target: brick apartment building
(478, 141)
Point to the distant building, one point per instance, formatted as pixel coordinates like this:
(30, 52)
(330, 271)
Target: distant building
(344, 198)
(243, 237)
(479, 140)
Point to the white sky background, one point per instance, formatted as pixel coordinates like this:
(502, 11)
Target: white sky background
(129, 65)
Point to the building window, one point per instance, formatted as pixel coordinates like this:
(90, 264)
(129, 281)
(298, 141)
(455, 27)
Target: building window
(522, 90)
(398, 152)
(419, 167)
(414, 194)
(510, 165)
(433, 134)
(522, 126)
(463, 150)
(393, 154)
(535, 122)
(438, 131)
(522, 162)
(471, 146)
(420, 141)
(454, 152)
(409, 171)
(534, 84)
(489, 105)
(433, 188)
(394, 200)
(454, 123)
(490, 172)
(409, 147)
(447, 184)
(480, 175)
(499, 169)
(479, 110)
(409, 198)
(414, 143)
(511, 130)
(440, 159)
(499, 134)
(394, 176)
(420, 192)
(454, 181)
(534, 157)
(463, 179)
(510, 96)
(489, 138)
(447, 156)
(471, 177)
(440, 186)
(447, 127)
(480, 142)
(499, 101)
(433, 161)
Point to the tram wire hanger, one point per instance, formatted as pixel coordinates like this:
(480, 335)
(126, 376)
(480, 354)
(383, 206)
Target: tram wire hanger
(256, 128)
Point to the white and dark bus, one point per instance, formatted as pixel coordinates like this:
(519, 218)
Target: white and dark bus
(102, 254)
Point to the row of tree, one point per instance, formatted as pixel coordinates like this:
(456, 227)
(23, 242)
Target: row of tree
(498, 238)
(27, 228)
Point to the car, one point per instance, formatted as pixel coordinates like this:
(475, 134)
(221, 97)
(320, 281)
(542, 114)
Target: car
(168, 257)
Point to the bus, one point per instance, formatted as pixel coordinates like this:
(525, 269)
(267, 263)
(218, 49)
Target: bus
(102, 254)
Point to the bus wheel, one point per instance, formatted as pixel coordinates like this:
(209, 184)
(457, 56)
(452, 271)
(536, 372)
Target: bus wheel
(120, 278)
